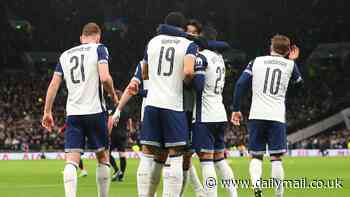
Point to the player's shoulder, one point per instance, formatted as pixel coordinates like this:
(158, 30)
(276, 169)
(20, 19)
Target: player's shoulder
(207, 52)
(211, 55)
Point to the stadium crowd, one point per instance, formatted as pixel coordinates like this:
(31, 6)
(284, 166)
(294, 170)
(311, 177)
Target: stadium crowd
(22, 91)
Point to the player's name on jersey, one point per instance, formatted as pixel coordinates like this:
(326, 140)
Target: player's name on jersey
(80, 49)
(275, 62)
(170, 41)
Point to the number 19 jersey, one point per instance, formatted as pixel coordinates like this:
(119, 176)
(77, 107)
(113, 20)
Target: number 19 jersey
(270, 79)
(165, 57)
(79, 68)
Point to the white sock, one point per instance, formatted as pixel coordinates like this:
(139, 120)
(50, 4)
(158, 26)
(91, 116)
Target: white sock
(175, 176)
(103, 179)
(144, 172)
(277, 173)
(226, 174)
(70, 179)
(209, 178)
(186, 174)
(196, 183)
(155, 177)
(166, 175)
(255, 170)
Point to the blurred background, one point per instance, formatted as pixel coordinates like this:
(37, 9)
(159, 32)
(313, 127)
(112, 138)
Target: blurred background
(34, 33)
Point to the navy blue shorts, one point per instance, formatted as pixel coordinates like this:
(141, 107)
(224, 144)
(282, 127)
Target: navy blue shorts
(92, 127)
(208, 137)
(265, 132)
(164, 128)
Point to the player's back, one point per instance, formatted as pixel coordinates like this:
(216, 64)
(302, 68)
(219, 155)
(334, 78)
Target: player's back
(270, 79)
(80, 71)
(211, 101)
(165, 57)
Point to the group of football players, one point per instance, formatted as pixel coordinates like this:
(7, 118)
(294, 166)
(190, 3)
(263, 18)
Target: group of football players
(181, 78)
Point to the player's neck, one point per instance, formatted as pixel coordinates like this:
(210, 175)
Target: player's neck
(88, 42)
(275, 54)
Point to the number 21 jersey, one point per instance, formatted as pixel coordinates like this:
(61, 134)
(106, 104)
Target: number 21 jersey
(79, 68)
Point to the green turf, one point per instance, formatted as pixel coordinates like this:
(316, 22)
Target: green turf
(44, 178)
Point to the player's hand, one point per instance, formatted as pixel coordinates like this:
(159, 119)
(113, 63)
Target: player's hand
(236, 118)
(133, 88)
(294, 52)
(48, 122)
(115, 117)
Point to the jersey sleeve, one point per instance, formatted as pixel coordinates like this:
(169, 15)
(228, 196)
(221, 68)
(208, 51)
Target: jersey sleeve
(249, 68)
(199, 70)
(242, 85)
(296, 75)
(218, 45)
(192, 49)
(58, 69)
(102, 54)
(145, 56)
(138, 73)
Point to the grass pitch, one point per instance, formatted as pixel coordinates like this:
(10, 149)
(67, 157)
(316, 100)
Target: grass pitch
(43, 178)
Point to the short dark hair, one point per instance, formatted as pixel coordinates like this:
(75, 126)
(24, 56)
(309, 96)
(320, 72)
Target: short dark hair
(176, 19)
(209, 33)
(280, 44)
(195, 23)
(91, 29)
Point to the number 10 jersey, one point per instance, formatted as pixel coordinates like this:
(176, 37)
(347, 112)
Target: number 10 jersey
(270, 79)
(79, 68)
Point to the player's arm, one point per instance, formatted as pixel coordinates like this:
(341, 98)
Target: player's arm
(170, 30)
(220, 46)
(297, 79)
(51, 93)
(144, 65)
(189, 62)
(241, 87)
(129, 92)
(199, 73)
(296, 86)
(103, 71)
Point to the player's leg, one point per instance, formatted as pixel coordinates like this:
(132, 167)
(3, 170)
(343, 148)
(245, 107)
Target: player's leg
(277, 147)
(150, 138)
(113, 163)
(221, 165)
(83, 171)
(176, 137)
(257, 148)
(195, 182)
(74, 144)
(70, 174)
(190, 174)
(203, 143)
(97, 133)
(189, 171)
(185, 167)
(122, 145)
(122, 162)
